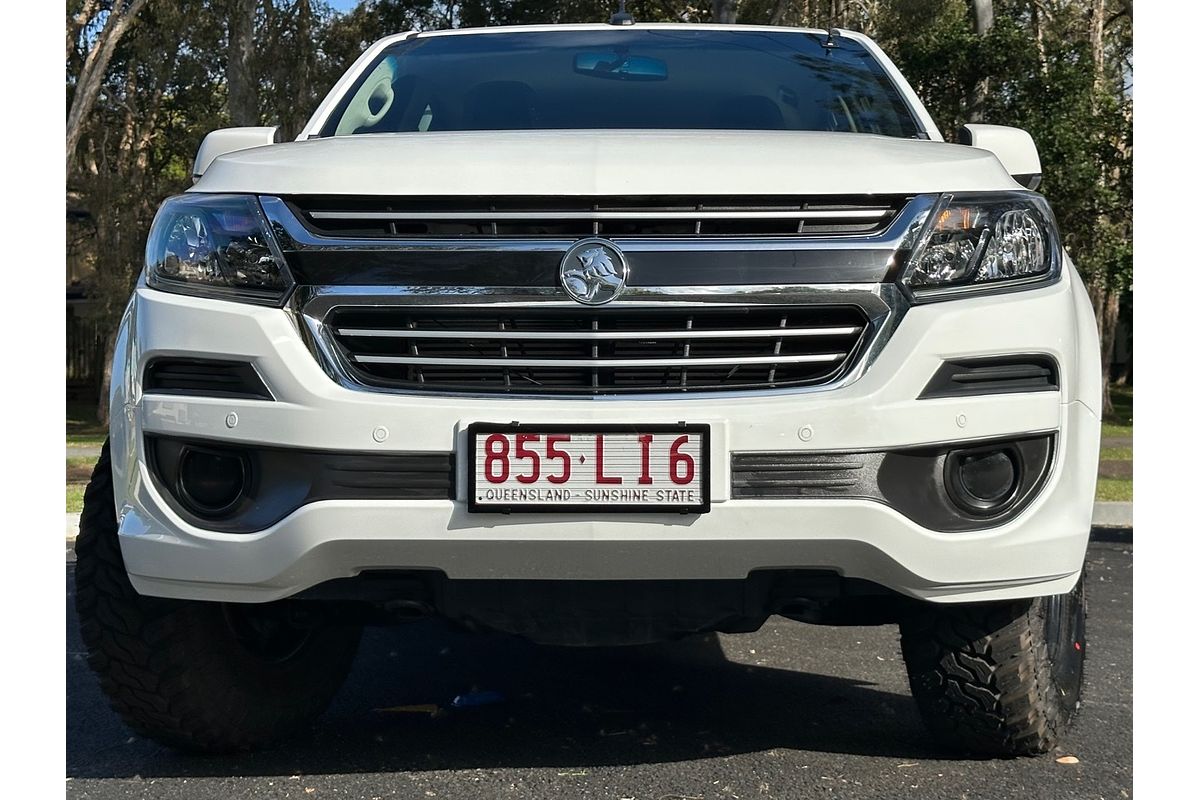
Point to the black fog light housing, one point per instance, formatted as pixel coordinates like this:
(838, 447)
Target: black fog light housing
(983, 481)
(211, 482)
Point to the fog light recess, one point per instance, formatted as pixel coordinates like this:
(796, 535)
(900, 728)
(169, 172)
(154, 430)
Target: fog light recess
(983, 481)
(211, 482)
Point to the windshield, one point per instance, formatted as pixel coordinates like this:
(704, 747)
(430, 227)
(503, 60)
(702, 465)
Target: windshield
(623, 78)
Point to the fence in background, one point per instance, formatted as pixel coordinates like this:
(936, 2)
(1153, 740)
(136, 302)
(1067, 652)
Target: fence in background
(85, 353)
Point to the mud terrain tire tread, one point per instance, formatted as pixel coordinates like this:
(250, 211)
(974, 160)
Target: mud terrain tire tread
(171, 668)
(982, 679)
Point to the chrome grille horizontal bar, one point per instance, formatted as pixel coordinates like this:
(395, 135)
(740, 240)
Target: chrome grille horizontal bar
(762, 333)
(534, 214)
(602, 363)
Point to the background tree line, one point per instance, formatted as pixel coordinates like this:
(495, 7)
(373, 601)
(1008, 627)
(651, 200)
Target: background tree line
(146, 79)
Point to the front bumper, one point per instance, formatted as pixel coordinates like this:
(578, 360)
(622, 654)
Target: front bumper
(1039, 552)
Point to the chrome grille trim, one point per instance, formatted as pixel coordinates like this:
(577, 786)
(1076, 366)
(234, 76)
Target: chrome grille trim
(317, 301)
(603, 363)
(865, 215)
(475, 218)
(294, 236)
(763, 333)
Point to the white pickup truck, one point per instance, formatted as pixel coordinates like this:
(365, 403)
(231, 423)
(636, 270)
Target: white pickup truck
(598, 334)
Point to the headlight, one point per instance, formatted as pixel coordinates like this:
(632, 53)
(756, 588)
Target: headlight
(216, 246)
(981, 242)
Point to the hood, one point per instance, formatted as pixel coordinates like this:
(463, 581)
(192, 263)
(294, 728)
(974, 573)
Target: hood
(615, 163)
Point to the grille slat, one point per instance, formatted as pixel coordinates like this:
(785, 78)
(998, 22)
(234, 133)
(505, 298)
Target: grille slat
(557, 217)
(588, 352)
(770, 333)
(863, 214)
(597, 363)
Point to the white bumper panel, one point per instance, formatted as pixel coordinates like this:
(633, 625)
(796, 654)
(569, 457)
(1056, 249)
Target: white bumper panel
(1039, 552)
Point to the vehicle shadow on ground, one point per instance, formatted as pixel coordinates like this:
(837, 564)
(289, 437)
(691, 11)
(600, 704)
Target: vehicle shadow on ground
(562, 707)
(1112, 535)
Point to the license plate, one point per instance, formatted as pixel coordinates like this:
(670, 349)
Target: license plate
(598, 468)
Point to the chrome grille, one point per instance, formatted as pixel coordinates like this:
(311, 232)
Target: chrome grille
(558, 217)
(596, 351)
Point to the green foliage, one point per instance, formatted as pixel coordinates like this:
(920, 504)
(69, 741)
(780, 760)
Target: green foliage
(932, 44)
(1081, 121)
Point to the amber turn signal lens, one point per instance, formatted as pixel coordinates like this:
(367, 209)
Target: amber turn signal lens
(956, 218)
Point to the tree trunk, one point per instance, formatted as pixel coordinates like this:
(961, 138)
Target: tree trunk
(87, 87)
(840, 14)
(305, 68)
(781, 8)
(243, 86)
(76, 23)
(1107, 304)
(982, 16)
(103, 412)
(982, 20)
(724, 11)
(1096, 39)
(1105, 299)
(1039, 36)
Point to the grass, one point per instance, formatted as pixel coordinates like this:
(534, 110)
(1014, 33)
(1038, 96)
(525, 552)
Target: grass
(1115, 490)
(1120, 421)
(82, 430)
(1113, 429)
(79, 469)
(74, 498)
(82, 427)
(85, 441)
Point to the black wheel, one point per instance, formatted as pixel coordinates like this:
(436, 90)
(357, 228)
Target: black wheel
(999, 679)
(210, 677)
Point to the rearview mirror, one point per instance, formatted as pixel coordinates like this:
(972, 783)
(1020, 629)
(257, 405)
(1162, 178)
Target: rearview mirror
(620, 67)
(1014, 148)
(227, 140)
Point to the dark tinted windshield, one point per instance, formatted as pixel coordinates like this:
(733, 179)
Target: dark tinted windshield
(622, 78)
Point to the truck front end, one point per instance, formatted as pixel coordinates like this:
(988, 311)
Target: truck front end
(577, 356)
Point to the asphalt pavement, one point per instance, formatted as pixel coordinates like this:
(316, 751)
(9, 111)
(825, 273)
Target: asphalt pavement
(791, 711)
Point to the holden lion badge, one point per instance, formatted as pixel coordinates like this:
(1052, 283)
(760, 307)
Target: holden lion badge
(593, 271)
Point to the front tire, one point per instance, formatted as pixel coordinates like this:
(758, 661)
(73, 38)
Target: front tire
(209, 677)
(998, 679)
